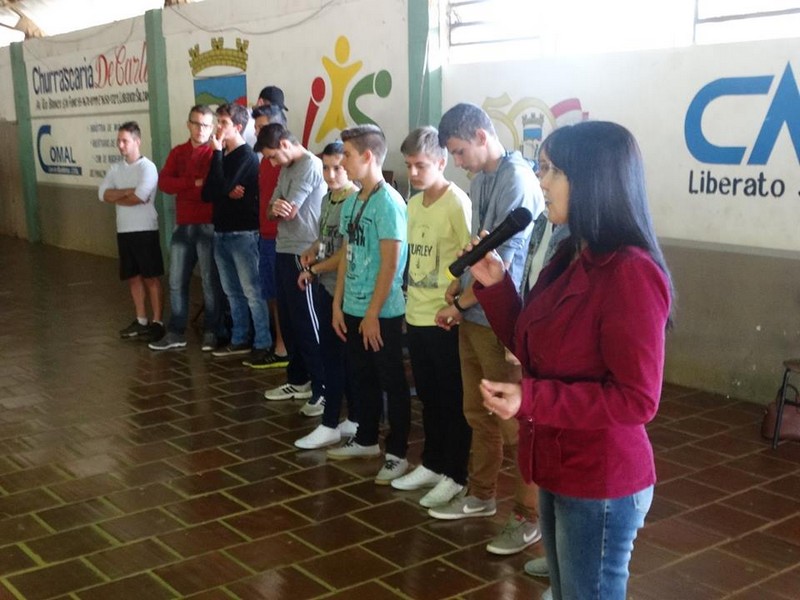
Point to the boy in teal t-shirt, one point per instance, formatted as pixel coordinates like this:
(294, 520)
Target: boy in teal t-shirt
(368, 304)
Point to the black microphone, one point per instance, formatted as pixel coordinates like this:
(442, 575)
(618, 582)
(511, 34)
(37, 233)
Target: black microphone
(517, 220)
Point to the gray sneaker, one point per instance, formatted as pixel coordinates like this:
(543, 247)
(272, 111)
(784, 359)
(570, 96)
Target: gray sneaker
(464, 507)
(518, 534)
(168, 342)
(537, 567)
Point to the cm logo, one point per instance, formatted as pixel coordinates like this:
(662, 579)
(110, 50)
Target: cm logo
(785, 108)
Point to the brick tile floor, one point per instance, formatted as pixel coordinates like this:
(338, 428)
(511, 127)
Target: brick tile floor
(126, 473)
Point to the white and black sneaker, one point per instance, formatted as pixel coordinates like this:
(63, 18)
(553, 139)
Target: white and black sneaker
(287, 391)
(314, 407)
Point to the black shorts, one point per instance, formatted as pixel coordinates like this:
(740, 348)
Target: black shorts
(139, 254)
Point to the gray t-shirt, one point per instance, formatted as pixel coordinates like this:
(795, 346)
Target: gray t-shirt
(330, 237)
(301, 184)
(494, 195)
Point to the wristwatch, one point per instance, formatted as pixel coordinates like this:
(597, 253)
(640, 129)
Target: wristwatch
(457, 305)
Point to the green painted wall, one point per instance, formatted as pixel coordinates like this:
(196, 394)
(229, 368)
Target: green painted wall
(424, 71)
(25, 142)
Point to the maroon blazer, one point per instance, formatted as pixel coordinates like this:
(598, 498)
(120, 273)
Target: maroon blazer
(591, 344)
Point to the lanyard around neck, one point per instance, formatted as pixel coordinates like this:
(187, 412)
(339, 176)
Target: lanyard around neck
(352, 226)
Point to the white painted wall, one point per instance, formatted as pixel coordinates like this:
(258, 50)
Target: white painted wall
(286, 45)
(7, 109)
(650, 92)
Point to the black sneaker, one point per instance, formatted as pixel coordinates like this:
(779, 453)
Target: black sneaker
(264, 359)
(133, 330)
(156, 332)
(231, 350)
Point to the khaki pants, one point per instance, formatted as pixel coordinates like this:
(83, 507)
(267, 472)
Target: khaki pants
(483, 357)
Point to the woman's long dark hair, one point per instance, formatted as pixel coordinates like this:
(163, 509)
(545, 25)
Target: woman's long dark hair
(608, 206)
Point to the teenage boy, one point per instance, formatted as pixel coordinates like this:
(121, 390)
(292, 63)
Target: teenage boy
(192, 241)
(438, 227)
(321, 260)
(502, 182)
(296, 204)
(368, 305)
(232, 188)
(263, 115)
(130, 185)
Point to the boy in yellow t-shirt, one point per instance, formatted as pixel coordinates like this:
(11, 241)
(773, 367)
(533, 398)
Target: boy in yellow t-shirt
(438, 227)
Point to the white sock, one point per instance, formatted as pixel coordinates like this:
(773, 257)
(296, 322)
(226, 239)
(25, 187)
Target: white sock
(142, 320)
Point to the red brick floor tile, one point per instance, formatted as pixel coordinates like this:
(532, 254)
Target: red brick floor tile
(688, 492)
(337, 533)
(326, 505)
(272, 552)
(201, 573)
(88, 487)
(393, 516)
(765, 504)
(784, 584)
(140, 525)
(680, 536)
(432, 580)
(765, 550)
(132, 558)
(69, 544)
(369, 591)
(519, 587)
(204, 508)
(788, 486)
(661, 585)
(54, 580)
(266, 521)
(265, 492)
(726, 478)
(132, 588)
(331, 568)
(280, 584)
(17, 529)
(724, 520)
(140, 498)
(13, 559)
(410, 547)
(203, 483)
(203, 460)
(201, 539)
(717, 569)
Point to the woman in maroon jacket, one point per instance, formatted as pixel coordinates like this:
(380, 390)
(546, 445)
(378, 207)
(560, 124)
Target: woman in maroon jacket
(590, 338)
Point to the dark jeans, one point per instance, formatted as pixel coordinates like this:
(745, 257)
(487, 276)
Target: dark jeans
(437, 374)
(334, 357)
(299, 325)
(372, 373)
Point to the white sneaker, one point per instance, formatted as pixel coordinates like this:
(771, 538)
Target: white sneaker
(287, 391)
(421, 477)
(314, 407)
(348, 428)
(392, 468)
(442, 493)
(353, 450)
(320, 437)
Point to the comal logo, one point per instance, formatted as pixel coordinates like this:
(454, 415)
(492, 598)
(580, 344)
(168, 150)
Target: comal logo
(54, 158)
(784, 109)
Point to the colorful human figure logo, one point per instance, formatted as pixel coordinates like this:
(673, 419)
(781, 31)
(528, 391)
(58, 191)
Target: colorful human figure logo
(340, 74)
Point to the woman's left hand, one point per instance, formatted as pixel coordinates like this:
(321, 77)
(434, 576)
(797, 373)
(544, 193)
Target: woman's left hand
(500, 398)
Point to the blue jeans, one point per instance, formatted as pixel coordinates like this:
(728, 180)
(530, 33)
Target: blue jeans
(588, 543)
(191, 245)
(236, 253)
